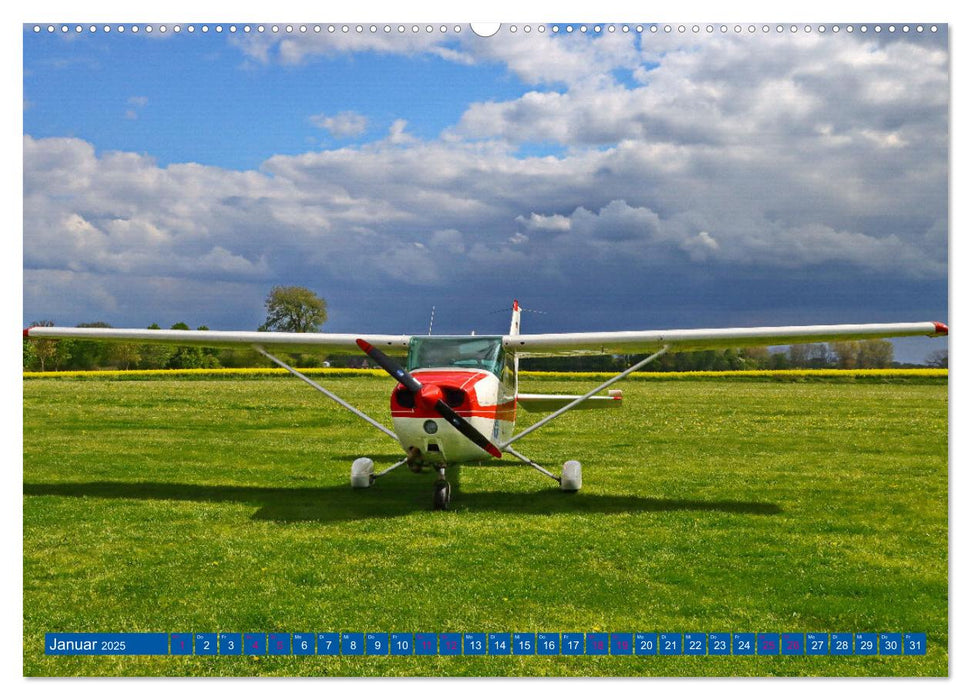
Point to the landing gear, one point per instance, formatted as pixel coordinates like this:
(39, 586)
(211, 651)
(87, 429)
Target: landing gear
(443, 491)
(362, 473)
(572, 477)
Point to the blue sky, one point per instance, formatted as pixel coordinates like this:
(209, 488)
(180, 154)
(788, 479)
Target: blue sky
(195, 98)
(613, 182)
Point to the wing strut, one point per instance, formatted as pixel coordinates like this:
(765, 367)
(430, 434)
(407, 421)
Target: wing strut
(527, 460)
(560, 412)
(328, 394)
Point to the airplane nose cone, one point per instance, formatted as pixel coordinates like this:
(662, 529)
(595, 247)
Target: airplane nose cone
(429, 395)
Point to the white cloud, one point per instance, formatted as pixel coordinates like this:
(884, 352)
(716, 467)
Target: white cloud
(539, 222)
(299, 48)
(725, 90)
(778, 155)
(534, 58)
(136, 103)
(397, 135)
(342, 125)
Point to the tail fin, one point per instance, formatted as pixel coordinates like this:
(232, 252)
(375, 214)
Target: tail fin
(514, 330)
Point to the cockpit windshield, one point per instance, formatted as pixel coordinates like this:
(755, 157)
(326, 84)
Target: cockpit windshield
(471, 352)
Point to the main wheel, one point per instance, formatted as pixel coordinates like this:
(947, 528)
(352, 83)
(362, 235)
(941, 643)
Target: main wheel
(572, 477)
(443, 494)
(362, 473)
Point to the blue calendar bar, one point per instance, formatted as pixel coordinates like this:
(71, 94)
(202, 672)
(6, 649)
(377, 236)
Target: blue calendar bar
(645, 643)
(180, 643)
(402, 644)
(450, 644)
(279, 644)
(74, 644)
(657, 644)
(206, 644)
(548, 644)
(377, 643)
(303, 643)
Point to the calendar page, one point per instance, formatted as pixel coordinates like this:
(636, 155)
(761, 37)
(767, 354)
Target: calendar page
(516, 349)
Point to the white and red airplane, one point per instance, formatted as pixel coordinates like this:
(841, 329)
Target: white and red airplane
(457, 396)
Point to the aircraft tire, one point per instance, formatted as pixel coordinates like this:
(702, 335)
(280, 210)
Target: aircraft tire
(443, 495)
(572, 477)
(362, 473)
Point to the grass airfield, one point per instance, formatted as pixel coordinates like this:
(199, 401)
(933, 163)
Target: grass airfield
(223, 505)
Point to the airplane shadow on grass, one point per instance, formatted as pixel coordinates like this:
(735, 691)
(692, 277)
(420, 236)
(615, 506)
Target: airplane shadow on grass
(392, 496)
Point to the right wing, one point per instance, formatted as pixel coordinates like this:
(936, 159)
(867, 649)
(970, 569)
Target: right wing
(682, 340)
(330, 343)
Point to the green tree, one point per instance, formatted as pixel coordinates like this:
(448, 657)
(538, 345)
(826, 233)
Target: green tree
(153, 356)
(123, 355)
(89, 354)
(779, 360)
(754, 357)
(875, 354)
(295, 310)
(30, 358)
(938, 358)
(189, 357)
(847, 353)
(48, 353)
(799, 355)
(813, 355)
(210, 355)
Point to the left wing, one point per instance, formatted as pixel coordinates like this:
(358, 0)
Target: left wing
(336, 343)
(633, 342)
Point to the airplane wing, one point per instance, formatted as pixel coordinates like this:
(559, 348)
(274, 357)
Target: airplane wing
(330, 343)
(638, 342)
(530, 345)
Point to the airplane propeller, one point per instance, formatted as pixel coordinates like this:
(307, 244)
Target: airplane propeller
(429, 395)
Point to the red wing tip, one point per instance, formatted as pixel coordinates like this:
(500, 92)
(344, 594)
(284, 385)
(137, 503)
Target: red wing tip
(26, 334)
(364, 345)
(939, 328)
(515, 304)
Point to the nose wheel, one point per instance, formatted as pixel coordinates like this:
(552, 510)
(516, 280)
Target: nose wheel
(443, 491)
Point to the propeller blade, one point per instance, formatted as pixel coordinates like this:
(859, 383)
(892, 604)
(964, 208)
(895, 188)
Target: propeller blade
(390, 366)
(464, 427)
(443, 409)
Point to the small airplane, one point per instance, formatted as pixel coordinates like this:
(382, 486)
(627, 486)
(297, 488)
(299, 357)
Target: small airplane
(457, 395)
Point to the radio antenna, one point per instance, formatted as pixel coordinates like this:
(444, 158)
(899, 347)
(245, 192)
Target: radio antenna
(431, 321)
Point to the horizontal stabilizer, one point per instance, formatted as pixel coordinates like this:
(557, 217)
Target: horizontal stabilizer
(546, 403)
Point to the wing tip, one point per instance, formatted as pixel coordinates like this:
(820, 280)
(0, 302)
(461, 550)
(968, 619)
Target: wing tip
(940, 328)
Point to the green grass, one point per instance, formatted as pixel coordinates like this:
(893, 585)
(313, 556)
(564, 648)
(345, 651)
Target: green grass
(207, 506)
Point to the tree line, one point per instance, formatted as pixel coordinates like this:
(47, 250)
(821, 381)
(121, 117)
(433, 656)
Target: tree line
(854, 354)
(300, 310)
(291, 309)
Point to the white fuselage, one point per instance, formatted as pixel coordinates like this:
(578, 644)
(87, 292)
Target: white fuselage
(476, 395)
